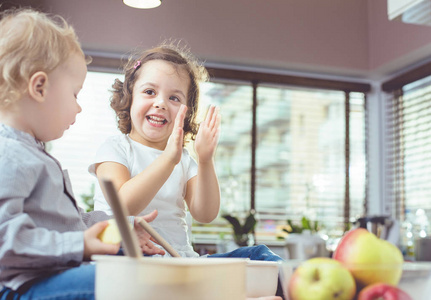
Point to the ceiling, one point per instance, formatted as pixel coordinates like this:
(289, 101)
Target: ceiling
(331, 38)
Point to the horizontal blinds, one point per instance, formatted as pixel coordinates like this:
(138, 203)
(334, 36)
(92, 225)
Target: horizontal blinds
(307, 133)
(300, 155)
(408, 148)
(233, 155)
(358, 156)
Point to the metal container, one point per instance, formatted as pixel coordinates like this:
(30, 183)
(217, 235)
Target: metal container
(305, 245)
(423, 249)
(379, 225)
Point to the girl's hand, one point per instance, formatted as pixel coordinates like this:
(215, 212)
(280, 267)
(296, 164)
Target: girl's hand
(208, 135)
(92, 245)
(145, 238)
(174, 147)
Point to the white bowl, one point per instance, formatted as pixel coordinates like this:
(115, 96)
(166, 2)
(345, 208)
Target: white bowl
(261, 278)
(122, 277)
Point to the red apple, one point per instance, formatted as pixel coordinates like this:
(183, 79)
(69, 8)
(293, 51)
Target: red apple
(383, 291)
(369, 259)
(321, 278)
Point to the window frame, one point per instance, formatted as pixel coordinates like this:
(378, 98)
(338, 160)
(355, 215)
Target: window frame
(395, 184)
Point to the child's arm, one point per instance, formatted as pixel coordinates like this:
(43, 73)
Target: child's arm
(137, 192)
(203, 191)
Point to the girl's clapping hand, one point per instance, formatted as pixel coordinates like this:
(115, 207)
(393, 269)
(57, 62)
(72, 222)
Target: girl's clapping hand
(174, 147)
(208, 135)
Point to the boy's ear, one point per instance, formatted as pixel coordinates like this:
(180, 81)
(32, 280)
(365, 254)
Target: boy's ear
(37, 86)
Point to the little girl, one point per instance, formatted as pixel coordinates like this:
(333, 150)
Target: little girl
(156, 108)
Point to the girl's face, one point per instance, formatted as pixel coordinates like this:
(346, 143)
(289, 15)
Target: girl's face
(157, 96)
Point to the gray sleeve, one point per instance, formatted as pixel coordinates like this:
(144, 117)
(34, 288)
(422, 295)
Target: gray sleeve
(92, 217)
(23, 243)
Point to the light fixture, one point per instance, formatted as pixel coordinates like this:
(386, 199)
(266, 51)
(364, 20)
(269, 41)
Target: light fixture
(143, 4)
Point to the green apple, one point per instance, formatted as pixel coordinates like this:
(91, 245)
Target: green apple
(321, 278)
(111, 233)
(369, 259)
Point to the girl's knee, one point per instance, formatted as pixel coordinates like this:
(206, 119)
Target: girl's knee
(262, 247)
(264, 253)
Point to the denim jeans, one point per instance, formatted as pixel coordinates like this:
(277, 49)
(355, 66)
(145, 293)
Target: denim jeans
(260, 252)
(79, 283)
(73, 284)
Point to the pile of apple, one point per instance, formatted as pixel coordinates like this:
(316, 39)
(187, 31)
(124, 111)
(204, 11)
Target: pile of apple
(363, 267)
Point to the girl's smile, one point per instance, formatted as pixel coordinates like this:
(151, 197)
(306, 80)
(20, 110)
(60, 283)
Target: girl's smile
(156, 120)
(158, 93)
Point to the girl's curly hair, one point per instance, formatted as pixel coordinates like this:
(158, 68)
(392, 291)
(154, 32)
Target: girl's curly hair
(179, 57)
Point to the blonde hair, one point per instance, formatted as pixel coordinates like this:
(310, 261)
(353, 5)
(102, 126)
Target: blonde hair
(180, 57)
(30, 42)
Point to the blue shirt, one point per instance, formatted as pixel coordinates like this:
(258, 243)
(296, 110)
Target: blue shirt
(41, 225)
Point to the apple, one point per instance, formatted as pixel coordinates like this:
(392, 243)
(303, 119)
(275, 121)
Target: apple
(383, 291)
(321, 278)
(111, 233)
(369, 259)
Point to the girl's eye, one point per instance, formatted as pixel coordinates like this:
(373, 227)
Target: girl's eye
(150, 92)
(176, 99)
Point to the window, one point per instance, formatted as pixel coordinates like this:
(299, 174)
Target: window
(300, 155)
(289, 147)
(233, 156)
(408, 148)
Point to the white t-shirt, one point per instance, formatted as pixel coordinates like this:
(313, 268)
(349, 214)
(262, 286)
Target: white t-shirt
(169, 201)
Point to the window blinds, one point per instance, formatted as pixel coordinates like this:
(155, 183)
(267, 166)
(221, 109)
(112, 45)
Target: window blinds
(408, 148)
(304, 139)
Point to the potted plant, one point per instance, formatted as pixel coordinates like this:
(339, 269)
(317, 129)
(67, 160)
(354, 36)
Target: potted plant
(306, 224)
(242, 232)
(302, 240)
(88, 199)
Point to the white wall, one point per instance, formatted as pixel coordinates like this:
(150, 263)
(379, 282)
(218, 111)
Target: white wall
(341, 37)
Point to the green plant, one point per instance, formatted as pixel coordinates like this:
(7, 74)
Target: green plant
(241, 231)
(88, 199)
(306, 224)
